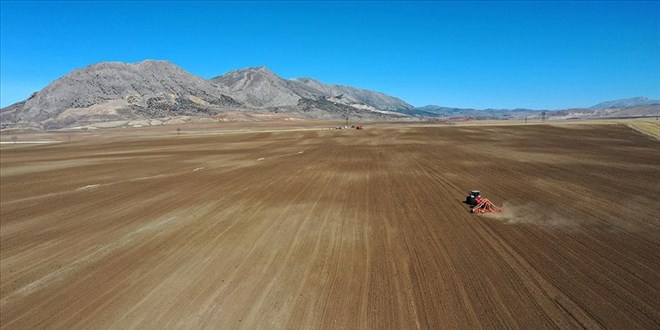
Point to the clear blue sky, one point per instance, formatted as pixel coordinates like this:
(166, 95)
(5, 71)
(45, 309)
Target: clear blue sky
(540, 55)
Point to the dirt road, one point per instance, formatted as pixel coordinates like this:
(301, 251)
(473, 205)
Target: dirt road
(333, 229)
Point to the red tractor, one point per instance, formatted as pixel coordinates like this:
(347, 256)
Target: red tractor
(480, 204)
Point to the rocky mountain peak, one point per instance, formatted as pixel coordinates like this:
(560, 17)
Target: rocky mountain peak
(148, 88)
(258, 87)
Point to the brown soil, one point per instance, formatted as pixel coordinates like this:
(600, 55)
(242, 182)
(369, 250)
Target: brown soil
(333, 229)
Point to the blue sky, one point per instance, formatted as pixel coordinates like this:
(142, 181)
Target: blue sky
(539, 55)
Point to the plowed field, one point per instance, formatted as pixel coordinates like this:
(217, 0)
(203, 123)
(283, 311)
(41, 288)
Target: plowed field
(333, 229)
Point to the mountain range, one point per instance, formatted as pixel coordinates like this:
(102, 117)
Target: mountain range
(155, 92)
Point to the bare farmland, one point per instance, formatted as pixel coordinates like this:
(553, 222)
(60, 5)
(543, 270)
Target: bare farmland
(333, 229)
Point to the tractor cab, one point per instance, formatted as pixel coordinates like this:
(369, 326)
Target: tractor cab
(471, 198)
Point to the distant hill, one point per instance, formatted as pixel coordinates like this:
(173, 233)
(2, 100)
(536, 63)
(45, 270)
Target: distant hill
(633, 107)
(351, 95)
(626, 103)
(440, 111)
